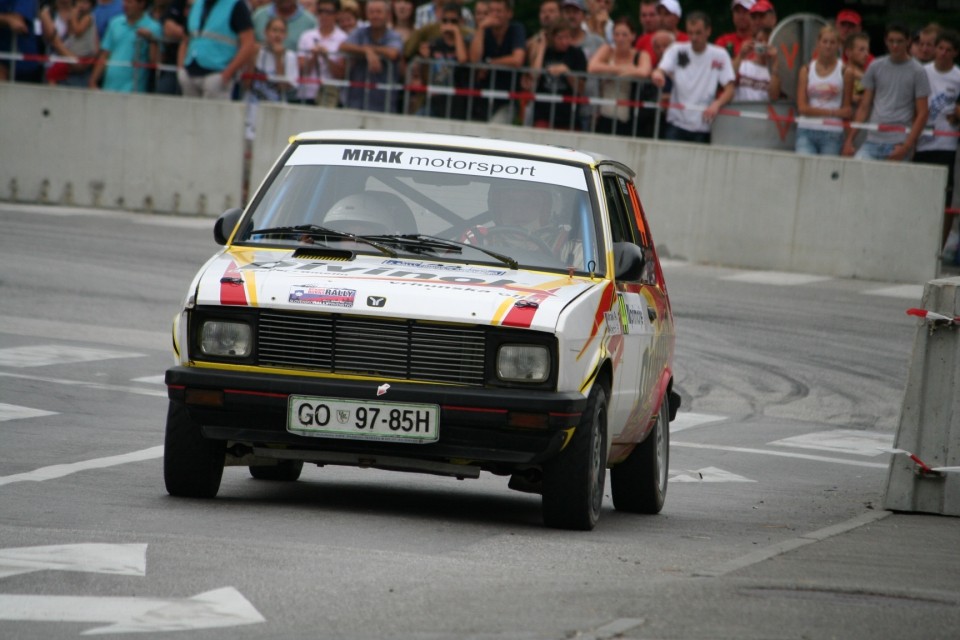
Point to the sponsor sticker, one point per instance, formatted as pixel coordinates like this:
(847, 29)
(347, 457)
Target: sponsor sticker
(323, 296)
(614, 327)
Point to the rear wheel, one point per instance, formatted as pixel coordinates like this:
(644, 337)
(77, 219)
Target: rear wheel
(283, 471)
(573, 481)
(639, 483)
(192, 465)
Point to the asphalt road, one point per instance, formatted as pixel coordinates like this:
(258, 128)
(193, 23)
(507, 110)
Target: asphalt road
(772, 528)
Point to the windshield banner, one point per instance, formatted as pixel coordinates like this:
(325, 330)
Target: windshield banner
(440, 161)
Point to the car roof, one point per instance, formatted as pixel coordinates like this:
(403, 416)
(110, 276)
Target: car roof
(472, 143)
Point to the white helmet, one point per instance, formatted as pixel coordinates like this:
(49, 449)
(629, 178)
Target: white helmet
(371, 213)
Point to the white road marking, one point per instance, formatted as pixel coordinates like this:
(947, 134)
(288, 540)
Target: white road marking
(789, 545)
(43, 355)
(707, 474)
(159, 393)
(96, 334)
(225, 607)
(858, 443)
(150, 379)
(114, 559)
(910, 291)
(614, 629)
(781, 454)
(781, 278)
(686, 420)
(15, 412)
(60, 470)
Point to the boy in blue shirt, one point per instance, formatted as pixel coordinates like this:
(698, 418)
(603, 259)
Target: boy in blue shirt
(129, 43)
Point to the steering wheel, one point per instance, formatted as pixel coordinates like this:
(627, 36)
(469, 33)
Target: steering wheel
(518, 233)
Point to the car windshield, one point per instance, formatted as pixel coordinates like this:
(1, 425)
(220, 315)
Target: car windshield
(440, 204)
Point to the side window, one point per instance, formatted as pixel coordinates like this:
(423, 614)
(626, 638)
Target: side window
(641, 232)
(620, 225)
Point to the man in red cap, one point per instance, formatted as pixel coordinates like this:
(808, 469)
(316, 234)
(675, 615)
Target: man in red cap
(762, 14)
(848, 22)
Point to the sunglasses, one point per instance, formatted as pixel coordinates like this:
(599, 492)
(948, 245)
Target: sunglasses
(450, 21)
(326, 11)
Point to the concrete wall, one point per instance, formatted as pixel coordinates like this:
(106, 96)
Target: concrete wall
(729, 206)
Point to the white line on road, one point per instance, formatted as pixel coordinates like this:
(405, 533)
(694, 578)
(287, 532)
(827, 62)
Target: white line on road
(225, 607)
(789, 545)
(159, 393)
(60, 470)
(781, 454)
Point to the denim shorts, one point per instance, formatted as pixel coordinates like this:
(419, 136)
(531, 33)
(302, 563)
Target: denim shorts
(875, 151)
(815, 142)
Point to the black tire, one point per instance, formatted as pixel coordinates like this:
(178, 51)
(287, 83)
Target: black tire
(639, 483)
(192, 465)
(283, 471)
(573, 481)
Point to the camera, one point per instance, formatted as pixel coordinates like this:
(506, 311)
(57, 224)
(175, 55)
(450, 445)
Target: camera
(759, 48)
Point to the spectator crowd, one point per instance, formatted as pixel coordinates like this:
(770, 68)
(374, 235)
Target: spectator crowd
(585, 67)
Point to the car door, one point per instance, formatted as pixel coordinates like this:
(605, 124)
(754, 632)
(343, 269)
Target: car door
(631, 337)
(658, 327)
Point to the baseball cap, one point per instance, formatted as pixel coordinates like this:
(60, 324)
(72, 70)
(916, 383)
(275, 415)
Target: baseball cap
(672, 6)
(849, 16)
(746, 4)
(579, 4)
(761, 6)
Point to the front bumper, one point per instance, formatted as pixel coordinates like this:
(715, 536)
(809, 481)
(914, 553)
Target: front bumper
(482, 426)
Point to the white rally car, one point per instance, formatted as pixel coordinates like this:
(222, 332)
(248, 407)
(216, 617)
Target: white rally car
(435, 304)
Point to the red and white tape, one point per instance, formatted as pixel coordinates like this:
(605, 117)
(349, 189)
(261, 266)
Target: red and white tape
(522, 96)
(934, 318)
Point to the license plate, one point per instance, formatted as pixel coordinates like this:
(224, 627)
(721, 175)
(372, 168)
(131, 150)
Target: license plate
(362, 420)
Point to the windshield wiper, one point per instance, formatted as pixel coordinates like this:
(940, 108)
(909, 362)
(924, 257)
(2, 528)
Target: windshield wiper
(433, 242)
(314, 230)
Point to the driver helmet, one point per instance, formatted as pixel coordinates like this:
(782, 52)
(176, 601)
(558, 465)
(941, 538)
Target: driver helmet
(371, 213)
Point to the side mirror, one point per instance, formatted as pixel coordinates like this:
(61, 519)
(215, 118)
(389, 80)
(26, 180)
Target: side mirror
(628, 261)
(225, 225)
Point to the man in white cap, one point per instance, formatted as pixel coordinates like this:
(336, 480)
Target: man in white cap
(742, 28)
(669, 13)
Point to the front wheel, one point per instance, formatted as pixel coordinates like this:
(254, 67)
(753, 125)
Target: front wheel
(192, 465)
(573, 481)
(639, 483)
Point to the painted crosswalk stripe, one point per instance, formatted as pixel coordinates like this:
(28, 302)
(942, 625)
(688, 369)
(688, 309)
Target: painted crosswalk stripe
(779, 454)
(687, 420)
(707, 474)
(43, 355)
(858, 443)
(15, 412)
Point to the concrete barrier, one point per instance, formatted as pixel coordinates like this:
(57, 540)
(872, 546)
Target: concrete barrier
(929, 426)
(729, 206)
(107, 150)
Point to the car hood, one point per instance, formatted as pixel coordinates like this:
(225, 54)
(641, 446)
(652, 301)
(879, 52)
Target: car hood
(390, 287)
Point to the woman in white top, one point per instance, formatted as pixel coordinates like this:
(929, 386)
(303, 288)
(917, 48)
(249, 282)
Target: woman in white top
(822, 99)
(623, 65)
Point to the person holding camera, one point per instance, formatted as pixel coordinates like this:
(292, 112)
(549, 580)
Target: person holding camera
(758, 77)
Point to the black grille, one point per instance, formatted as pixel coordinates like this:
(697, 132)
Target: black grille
(403, 349)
